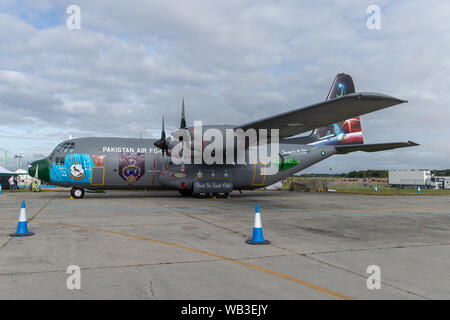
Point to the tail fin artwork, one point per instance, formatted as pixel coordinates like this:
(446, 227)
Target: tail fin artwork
(342, 85)
(344, 132)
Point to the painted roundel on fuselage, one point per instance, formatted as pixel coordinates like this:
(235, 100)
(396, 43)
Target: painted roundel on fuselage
(131, 166)
(77, 171)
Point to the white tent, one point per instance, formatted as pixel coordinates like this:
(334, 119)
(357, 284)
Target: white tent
(5, 172)
(24, 179)
(276, 186)
(4, 176)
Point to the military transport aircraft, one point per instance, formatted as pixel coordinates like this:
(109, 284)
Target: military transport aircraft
(100, 163)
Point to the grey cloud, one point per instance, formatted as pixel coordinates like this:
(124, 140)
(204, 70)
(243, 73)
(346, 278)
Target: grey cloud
(232, 61)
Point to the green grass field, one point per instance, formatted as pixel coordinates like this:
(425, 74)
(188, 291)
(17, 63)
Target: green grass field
(369, 189)
(384, 191)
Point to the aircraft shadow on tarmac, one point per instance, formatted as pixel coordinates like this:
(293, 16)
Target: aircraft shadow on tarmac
(154, 194)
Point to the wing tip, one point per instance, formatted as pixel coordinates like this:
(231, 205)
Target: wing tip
(377, 95)
(412, 143)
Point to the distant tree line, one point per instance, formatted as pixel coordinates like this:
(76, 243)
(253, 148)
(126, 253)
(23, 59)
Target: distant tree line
(352, 174)
(366, 174)
(444, 172)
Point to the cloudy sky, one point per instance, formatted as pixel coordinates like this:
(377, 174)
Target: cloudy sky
(232, 61)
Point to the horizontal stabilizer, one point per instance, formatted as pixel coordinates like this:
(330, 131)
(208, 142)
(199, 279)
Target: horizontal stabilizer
(343, 149)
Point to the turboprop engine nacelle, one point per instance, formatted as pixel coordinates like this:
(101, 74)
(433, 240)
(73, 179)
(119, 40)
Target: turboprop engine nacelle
(222, 144)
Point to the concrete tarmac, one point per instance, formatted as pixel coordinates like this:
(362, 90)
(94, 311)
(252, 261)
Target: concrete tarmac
(158, 245)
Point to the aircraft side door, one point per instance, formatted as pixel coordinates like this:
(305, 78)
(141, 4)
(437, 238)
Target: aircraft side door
(98, 171)
(155, 168)
(259, 173)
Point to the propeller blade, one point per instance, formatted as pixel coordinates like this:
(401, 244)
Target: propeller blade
(163, 131)
(183, 117)
(162, 143)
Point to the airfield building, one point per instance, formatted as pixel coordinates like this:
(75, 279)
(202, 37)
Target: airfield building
(409, 178)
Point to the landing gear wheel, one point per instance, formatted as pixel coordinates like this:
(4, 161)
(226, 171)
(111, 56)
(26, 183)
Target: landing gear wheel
(186, 192)
(202, 195)
(222, 195)
(77, 193)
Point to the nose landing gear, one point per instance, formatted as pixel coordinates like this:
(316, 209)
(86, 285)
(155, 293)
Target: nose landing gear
(77, 193)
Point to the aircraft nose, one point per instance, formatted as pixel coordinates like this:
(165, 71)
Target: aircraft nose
(42, 168)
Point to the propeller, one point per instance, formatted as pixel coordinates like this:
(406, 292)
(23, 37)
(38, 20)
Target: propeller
(183, 126)
(162, 143)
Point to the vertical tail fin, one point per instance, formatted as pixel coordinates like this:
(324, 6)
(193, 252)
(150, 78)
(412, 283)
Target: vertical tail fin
(342, 85)
(344, 132)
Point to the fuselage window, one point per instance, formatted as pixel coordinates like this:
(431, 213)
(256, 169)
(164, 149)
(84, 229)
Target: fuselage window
(60, 161)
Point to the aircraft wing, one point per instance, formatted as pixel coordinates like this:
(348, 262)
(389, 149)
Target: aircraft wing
(374, 147)
(324, 113)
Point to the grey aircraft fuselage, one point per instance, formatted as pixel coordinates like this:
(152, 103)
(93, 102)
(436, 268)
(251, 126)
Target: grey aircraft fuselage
(103, 165)
(123, 163)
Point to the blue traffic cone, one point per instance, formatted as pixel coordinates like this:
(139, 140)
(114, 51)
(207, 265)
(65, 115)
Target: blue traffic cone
(418, 190)
(22, 229)
(258, 237)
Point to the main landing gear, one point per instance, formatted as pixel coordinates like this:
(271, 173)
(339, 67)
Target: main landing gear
(202, 195)
(77, 193)
(222, 195)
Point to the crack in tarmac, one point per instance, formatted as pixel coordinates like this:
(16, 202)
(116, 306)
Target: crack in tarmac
(307, 255)
(150, 282)
(28, 220)
(364, 276)
(137, 265)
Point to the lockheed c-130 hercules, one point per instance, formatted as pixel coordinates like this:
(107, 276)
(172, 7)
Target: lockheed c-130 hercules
(100, 163)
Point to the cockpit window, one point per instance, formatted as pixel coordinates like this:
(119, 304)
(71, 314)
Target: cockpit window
(66, 147)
